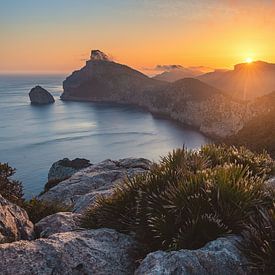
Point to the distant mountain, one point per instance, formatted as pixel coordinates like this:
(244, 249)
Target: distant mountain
(189, 101)
(247, 81)
(178, 72)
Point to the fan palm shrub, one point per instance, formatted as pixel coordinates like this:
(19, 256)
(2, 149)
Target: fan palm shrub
(258, 242)
(188, 199)
(38, 209)
(10, 189)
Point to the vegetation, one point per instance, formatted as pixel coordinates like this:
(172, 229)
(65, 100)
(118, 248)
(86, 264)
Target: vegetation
(10, 189)
(38, 209)
(259, 242)
(189, 198)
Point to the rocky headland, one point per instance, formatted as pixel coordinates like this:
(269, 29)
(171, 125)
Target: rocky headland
(188, 101)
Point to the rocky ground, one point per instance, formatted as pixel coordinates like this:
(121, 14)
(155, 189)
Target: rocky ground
(58, 245)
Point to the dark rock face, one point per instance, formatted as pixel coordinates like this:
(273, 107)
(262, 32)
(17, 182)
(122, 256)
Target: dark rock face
(189, 101)
(39, 95)
(65, 168)
(217, 257)
(106, 81)
(14, 223)
(102, 251)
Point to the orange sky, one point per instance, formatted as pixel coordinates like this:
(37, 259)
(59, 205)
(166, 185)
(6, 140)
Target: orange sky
(58, 35)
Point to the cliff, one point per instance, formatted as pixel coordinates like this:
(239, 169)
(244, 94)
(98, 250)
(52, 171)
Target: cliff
(188, 101)
(259, 131)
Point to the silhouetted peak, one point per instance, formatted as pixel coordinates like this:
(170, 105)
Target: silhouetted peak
(255, 64)
(99, 55)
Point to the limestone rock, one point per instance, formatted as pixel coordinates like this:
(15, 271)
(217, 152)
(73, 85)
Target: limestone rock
(101, 251)
(14, 223)
(65, 168)
(217, 257)
(81, 189)
(99, 55)
(57, 223)
(39, 95)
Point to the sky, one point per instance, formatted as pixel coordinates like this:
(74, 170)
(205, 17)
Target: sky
(52, 36)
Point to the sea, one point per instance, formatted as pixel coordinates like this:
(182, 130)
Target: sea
(33, 137)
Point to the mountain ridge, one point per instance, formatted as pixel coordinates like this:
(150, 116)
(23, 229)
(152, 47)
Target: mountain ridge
(188, 101)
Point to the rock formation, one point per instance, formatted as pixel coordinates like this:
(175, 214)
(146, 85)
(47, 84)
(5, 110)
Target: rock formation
(102, 251)
(14, 223)
(99, 55)
(188, 101)
(217, 257)
(81, 190)
(39, 95)
(57, 223)
(65, 168)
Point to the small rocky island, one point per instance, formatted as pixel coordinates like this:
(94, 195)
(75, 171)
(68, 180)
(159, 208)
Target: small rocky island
(40, 96)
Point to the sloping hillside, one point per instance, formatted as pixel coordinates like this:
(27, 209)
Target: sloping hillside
(247, 81)
(259, 132)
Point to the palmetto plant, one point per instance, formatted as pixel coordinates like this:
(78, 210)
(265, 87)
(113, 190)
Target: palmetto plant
(259, 164)
(258, 242)
(186, 200)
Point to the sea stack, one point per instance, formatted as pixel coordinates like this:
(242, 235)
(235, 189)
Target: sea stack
(39, 95)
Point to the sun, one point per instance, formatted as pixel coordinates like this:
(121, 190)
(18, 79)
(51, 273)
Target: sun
(248, 60)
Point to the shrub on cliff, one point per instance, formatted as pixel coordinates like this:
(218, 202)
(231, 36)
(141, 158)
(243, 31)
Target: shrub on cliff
(188, 199)
(258, 242)
(38, 209)
(10, 189)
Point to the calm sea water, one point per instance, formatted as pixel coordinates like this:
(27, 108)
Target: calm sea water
(33, 137)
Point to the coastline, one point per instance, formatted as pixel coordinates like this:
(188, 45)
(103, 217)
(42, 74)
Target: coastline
(161, 115)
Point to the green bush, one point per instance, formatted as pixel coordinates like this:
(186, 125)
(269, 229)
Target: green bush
(38, 209)
(258, 242)
(10, 189)
(188, 199)
(260, 164)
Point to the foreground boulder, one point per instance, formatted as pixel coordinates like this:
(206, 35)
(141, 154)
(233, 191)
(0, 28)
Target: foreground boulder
(217, 257)
(57, 223)
(14, 223)
(65, 168)
(39, 95)
(101, 251)
(81, 190)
